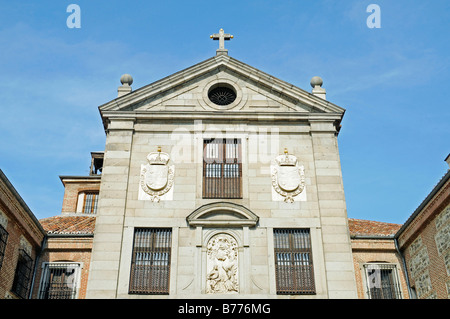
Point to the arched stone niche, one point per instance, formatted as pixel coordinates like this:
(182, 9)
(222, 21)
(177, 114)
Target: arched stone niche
(222, 235)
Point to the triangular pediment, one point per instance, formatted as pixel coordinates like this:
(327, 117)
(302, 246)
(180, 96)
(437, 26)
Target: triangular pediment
(187, 91)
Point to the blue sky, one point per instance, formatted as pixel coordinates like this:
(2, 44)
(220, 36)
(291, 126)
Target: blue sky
(393, 82)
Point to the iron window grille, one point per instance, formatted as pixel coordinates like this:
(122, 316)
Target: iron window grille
(293, 261)
(59, 281)
(222, 168)
(90, 203)
(3, 240)
(382, 281)
(150, 265)
(22, 277)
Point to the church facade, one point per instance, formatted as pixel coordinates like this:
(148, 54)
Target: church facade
(221, 181)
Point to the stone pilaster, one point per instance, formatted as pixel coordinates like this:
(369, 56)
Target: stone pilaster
(333, 212)
(106, 251)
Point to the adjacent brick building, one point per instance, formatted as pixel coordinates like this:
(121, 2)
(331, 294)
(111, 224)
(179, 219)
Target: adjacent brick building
(413, 258)
(66, 255)
(65, 260)
(21, 238)
(378, 265)
(424, 241)
(49, 258)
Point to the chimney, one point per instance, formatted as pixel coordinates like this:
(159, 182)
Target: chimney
(126, 81)
(447, 159)
(316, 84)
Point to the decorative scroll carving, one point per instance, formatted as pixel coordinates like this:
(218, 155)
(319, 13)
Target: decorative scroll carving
(157, 176)
(288, 179)
(222, 265)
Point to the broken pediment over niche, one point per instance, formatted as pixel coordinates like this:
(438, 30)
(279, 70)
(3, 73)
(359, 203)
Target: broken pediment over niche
(222, 214)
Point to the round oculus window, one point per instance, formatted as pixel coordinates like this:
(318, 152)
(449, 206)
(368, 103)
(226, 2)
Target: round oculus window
(222, 95)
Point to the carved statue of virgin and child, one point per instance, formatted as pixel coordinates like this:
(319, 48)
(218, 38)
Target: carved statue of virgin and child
(222, 275)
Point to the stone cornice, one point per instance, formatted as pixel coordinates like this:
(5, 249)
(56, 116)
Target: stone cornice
(80, 179)
(240, 117)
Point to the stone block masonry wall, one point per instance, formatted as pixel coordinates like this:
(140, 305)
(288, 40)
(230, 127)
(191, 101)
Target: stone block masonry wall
(178, 116)
(428, 258)
(333, 212)
(442, 239)
(121, 210)
(106, 250)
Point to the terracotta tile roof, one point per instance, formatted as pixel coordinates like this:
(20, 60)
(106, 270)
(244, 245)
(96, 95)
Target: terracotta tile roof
(68, 224)
(86, 225)
(371, 228)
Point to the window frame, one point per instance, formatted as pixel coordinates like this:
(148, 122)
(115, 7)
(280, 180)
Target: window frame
(44, 287)
(222, 175)
(22, 274)
(151, 261)
(93, 203)
(294, 271)
(395, 285)
(3, 242)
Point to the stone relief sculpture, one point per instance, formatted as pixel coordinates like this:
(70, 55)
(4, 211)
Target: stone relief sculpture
(157, 176)
(222, 265)
(288, 179)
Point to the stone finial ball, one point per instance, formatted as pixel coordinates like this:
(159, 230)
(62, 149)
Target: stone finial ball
(316, 80)
(126, 79)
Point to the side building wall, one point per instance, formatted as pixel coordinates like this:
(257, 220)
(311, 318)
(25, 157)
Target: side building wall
(425, 243)
(21, 240)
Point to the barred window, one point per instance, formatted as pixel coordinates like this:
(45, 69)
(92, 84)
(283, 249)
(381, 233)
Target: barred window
(382, 281)
(22, 277)
(90, 203)
(293, 261)
(222, 168)
(3, 239)
(150, 265)
(59, 280)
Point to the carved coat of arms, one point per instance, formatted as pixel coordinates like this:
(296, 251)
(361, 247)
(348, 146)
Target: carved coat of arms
(157, 176)
(288, 179)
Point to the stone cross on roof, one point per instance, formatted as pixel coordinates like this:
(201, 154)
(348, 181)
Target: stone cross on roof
(221, 36)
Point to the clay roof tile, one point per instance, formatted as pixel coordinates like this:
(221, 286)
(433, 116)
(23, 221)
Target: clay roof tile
(371, 228)
(69, 224)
